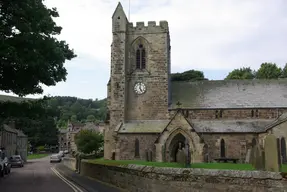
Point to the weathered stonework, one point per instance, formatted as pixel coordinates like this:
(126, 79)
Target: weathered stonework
(214, 118)
(153, 179)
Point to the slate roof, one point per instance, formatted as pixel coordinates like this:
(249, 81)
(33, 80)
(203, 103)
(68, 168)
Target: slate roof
(9, 129)
(230, 94)
(231, 126)
(145, 126)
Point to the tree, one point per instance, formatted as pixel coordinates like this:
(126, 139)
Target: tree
(284, 72)
(268, 71)
(30, 55)
(242, 73)
(191, 75)
(89, 141)
(74, 118)
(91, 118)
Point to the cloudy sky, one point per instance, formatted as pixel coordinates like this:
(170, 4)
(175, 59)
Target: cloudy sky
(209, 35)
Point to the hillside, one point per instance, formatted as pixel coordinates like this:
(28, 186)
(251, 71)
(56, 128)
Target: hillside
(13, 98)
(70, 108)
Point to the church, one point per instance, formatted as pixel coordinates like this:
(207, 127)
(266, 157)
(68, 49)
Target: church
(149, 114)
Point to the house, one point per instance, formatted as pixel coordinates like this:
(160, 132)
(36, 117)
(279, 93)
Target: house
(8, 140)
(22, 144)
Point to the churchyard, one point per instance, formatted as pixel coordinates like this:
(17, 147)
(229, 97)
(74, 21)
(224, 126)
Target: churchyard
(267, 159)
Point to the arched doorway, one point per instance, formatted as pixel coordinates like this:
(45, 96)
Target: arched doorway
(283, 150)
(178, 142)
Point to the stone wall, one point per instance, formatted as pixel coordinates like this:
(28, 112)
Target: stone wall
(236, 145)
(70, 163)
(151, 179)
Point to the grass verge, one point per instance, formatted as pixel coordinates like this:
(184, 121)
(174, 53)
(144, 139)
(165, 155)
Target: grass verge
(37, 156)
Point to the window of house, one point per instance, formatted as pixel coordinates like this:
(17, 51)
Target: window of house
(256, 113)
(140, 57)
(137, 148)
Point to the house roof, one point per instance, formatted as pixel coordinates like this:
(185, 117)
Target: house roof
(230, 94)
(9, 129)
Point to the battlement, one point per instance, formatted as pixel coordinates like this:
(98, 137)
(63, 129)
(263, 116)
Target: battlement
(150, 27)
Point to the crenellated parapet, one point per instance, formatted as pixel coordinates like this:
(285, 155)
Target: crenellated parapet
(151, 27)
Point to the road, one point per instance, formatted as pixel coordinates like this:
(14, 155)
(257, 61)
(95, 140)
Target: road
(36, 176)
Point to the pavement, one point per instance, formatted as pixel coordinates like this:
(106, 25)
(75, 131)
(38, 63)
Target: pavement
(39, 175)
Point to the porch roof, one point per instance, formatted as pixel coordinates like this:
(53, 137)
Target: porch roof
(143, 126)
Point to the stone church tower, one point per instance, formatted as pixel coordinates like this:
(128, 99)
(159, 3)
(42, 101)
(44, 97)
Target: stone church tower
(138, 88)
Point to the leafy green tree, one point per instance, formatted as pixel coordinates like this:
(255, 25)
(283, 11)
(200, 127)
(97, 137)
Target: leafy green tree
(30, 55)
(268, 71)
(89, 141)
(242, 73)
(284, 72)
(74, 118)
(91, 118)
(191, 75)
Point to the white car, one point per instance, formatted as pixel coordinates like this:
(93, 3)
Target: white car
(55, 158)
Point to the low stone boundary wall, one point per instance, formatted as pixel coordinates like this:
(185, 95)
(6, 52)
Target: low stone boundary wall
(70, 163)
(153, 179)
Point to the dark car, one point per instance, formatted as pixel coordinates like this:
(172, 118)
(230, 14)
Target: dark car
(16, 161)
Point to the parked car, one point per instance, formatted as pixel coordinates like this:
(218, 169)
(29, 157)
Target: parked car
(2, 163)
(66, 151)
(55, 158)
(16, 161)
(7, 166)
(61, 153)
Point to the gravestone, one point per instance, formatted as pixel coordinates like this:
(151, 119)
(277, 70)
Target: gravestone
(259, 162)
(256, 159)
(150, 156)
(180, 157)
(271, 154)
(248, 154)
(146, 155)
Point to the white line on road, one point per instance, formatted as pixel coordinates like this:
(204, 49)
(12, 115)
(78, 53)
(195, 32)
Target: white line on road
(69, 183)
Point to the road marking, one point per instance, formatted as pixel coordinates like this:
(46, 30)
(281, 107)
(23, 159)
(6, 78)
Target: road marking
(69, 183)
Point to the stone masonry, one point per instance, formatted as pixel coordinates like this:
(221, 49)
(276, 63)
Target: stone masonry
(213, 118)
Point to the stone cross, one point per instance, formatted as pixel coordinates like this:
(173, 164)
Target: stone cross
(178, 104)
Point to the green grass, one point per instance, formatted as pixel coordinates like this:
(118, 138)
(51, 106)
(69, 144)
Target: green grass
(230, 166)
(37, 156)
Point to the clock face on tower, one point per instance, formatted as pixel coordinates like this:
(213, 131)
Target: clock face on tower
(140, 88)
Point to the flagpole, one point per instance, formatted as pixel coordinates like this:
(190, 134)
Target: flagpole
(129, 9)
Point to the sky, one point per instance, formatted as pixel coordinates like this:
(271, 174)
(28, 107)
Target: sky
(208, 35)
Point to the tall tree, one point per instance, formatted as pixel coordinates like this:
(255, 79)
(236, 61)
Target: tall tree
(268, 71)
(89, 141)
(284, 72)
(242, 73)
(30, 55)
(191, 75)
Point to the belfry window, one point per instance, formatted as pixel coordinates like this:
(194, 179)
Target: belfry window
(140, 57)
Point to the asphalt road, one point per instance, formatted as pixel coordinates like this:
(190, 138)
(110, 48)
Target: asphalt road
(36, 176)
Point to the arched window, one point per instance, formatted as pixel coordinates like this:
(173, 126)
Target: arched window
(283, 150)
(222, 148)
(137, 148)
(140, 57)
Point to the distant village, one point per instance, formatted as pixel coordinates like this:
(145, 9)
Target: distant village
(67, 136)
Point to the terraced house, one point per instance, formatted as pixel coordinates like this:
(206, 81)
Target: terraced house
(149, 114)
